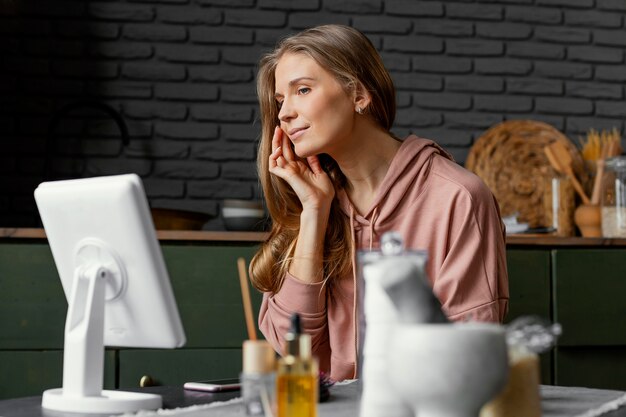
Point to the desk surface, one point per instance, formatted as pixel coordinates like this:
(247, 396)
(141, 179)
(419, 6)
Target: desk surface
(173, 397)
(556, 402)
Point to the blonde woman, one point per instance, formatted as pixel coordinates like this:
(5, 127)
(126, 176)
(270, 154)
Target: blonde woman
(335, 179)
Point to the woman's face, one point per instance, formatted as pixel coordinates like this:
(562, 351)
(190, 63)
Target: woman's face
(315, 111)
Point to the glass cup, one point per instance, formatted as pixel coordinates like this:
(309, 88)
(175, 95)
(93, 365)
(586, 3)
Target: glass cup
(613, 200)
(559, 205)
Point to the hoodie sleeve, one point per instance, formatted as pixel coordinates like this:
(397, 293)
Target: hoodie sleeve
(308, 300)
(472, 283)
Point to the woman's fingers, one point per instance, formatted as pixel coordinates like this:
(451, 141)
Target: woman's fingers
(282, 155)
(277, 148)
(314, 164)
(287, 150)
(278, 165)
(274, 156)
(277, 138)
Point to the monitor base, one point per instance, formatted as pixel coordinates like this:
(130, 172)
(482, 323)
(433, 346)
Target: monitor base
(108, 402)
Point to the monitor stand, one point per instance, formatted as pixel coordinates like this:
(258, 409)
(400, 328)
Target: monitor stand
(99, 276)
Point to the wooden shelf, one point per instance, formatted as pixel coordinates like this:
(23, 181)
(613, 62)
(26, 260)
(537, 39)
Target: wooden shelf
(549, 240)
(224, 236)
(162, 235)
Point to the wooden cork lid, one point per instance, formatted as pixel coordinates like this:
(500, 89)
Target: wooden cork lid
(258, 357)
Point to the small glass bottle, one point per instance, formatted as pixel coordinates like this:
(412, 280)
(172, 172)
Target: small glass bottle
(258, 378)
(297, 376)
(614, 198)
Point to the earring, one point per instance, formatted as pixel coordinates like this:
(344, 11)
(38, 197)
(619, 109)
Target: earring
(359, 110)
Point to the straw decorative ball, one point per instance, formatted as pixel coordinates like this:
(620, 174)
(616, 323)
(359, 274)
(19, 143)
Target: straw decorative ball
(510, 159)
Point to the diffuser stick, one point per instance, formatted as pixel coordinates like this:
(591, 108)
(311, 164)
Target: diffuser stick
(245, 296)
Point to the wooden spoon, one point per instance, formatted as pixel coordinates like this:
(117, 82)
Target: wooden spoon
(561, 161)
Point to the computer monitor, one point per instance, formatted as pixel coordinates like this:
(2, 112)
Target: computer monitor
(118, 290)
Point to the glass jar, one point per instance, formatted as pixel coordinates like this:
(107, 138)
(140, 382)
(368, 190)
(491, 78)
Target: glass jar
(614, 198)
(559, 203)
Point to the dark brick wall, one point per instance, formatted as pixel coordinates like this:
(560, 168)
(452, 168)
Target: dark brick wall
(181, 73)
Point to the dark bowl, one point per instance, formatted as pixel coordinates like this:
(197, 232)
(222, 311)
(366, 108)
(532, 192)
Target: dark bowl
(171, 219)
(244, 215)
(250, 224)
(246, 204)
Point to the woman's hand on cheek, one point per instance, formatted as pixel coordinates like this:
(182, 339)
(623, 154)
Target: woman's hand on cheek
(309, 181)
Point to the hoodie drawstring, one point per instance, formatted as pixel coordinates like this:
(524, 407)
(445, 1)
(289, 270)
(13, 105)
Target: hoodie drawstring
(372, 223)
(354, 275)
(355, 319)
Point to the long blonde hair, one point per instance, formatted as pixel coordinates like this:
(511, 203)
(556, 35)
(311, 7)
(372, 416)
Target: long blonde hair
(352, 59)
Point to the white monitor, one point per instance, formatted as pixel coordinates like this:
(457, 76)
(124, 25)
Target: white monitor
(118, 290)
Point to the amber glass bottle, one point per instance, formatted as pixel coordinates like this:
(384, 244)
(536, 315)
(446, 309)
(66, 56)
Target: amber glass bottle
(297, 376)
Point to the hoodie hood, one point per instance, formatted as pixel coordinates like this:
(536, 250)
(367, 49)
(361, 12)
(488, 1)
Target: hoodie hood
(409, 169)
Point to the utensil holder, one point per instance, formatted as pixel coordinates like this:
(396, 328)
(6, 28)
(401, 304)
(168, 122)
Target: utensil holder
(588, 218)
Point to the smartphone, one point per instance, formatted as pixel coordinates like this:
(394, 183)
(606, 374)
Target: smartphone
(216, 385)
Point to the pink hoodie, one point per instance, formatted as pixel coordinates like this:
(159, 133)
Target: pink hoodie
(436, 205)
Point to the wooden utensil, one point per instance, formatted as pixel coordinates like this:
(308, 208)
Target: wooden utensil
(604, 153)
(561, 161)
(245, 297)
(595, 193)
(609, 150)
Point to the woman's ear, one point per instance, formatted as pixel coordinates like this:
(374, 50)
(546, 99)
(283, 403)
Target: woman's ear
(362, 97)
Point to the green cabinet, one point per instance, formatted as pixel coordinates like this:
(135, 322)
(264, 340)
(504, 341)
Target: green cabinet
(32, 304)
(590, 293)
(30, 372)
(591, 366)
(529, 283)
(205, 282)
(175, 367)
(581, 288)
(208, 293)
(589, 289)
(529, 290)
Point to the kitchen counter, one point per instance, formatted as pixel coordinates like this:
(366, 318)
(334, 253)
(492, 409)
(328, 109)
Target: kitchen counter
(225, 236)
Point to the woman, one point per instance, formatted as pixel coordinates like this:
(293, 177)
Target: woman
(335, 179)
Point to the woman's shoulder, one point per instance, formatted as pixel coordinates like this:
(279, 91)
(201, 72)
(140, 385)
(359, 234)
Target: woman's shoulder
(455, 178)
